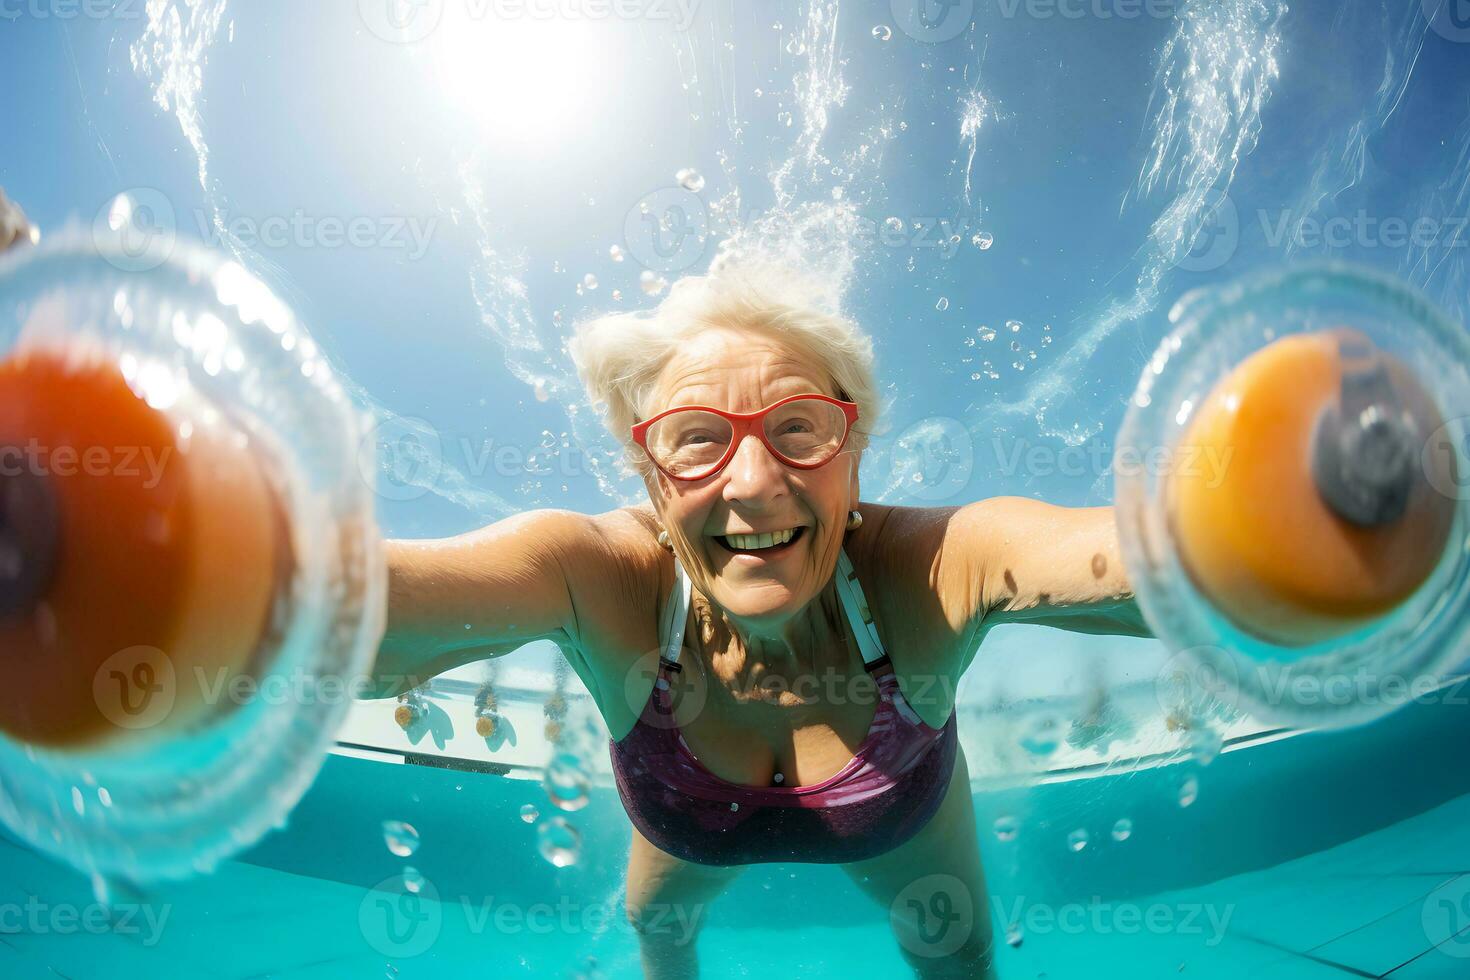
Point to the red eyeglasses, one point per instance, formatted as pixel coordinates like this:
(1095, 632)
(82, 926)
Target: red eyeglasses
(693, 442)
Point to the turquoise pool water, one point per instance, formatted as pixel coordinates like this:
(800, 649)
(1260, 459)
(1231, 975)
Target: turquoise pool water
(1010, 196)
(1351, 884)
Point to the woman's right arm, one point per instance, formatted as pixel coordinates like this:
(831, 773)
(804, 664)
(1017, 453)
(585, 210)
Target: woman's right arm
(541, 575)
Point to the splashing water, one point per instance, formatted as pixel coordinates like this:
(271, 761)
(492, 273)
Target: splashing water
(171, 54)
(1214, 78)
(975, 109)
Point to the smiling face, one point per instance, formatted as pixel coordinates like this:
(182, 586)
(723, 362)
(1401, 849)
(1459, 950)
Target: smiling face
(755, 493)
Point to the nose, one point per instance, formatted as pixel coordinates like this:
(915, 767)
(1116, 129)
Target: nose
(753, 475)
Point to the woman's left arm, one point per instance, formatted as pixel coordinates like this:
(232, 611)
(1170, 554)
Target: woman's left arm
(1033, 562)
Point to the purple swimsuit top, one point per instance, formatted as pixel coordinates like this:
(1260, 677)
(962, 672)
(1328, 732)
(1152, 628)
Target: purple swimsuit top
(888, 791)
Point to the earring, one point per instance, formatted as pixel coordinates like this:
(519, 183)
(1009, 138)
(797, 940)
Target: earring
(854, 520)
(663, 539)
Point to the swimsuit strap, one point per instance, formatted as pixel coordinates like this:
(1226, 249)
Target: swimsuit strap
(859, 616)
(849, 593)
(671, 630)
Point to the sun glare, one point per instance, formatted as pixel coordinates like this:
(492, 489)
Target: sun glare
(522, 80)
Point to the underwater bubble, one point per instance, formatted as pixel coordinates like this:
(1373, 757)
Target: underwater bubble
(529, 813)
(650, 282)
(1016, 346)
(1045, 341)
(1205, 743)
(589, 281)
(975, 376)
(690, 179)
(1006, 829)
(796, 46)
(1014, 326)
(1042, 734)
(883, 32)
(401, 838)
(617, 294)
(413, 880)
(1077, 839)
(615, 252)
(566, 783)
(1188, 791)
(942, 304)
(559, 842)
(541, 396)
(1014, 937)
(986, 334)
(784, 118)
(983, 240)
(893, 224)
(1123, 829)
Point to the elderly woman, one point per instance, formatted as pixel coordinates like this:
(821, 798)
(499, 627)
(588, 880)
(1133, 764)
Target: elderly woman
(775, 659)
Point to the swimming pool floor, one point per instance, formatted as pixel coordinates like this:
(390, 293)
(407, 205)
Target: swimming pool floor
(1358, 909)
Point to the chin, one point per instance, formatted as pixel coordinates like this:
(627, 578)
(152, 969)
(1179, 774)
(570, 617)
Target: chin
(758, 602)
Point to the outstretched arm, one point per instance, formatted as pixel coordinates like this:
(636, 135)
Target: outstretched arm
(1033, 562)
(541, 575)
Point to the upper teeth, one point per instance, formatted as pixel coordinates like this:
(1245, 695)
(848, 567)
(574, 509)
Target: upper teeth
(748, 542)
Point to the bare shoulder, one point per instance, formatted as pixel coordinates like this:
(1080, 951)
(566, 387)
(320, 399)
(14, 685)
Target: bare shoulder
(617, 577)
(918, 572)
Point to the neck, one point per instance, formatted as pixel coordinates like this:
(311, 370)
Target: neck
(766, 659)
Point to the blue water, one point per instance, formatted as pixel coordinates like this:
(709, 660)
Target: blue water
(1114, 162)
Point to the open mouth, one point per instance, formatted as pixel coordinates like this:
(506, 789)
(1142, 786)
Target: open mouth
(765, 545)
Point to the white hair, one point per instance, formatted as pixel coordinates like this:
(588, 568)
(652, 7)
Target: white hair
(619, 356)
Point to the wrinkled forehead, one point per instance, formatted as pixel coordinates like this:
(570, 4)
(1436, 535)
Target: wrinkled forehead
(738, 372)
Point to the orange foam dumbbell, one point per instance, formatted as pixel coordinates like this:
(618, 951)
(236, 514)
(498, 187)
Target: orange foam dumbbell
(1319, 512)
(141, 550)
